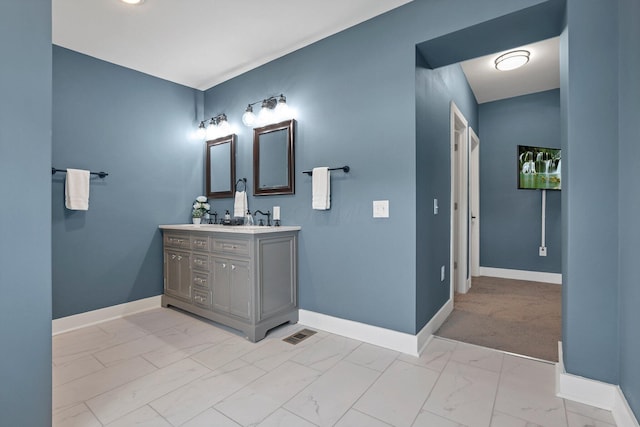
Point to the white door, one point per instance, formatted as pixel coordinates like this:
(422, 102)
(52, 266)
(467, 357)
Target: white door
(459, 201)
(474, 199)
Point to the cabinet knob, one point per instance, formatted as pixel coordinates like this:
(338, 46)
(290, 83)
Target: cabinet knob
(233, 267)
(173, 257)
(179, 257)
(224, 265)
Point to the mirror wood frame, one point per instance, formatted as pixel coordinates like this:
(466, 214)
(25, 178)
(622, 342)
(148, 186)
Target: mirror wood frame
(229, 139)
(289, 188)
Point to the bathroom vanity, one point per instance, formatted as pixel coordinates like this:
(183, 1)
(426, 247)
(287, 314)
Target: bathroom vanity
(243, 277)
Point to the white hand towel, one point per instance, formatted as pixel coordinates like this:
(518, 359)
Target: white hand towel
(240, 204)
(76, 190)
(321, 185)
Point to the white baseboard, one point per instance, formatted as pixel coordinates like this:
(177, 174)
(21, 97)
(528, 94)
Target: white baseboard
(77, 321)
(534, 276)
(594, 393)
(387, 338)
(426, 333)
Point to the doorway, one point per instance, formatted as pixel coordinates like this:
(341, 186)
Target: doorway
(474, 200)
(459, 259)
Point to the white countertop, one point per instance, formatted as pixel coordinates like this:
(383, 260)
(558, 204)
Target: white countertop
(238, 229)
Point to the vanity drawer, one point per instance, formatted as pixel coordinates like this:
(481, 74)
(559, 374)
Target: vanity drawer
(200, 262)
(229, 246)
(200, 243)
(200, 279)
(202, 298)
(182, 241)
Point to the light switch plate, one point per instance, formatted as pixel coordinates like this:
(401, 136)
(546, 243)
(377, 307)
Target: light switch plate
(381, 209)
(435, 206)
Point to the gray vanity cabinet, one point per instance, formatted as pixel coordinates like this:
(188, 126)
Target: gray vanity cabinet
(245, 280)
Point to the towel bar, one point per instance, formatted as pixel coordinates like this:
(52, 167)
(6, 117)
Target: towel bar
(345, 169)
(100, 174)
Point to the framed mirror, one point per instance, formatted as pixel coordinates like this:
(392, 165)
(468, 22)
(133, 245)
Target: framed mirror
(221, 167)
(273, 159)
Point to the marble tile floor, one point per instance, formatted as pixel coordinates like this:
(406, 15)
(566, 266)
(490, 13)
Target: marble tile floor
(166, 368)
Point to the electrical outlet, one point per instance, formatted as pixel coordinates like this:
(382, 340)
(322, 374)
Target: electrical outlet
(442, 273)
(542, 251)
(381, 209)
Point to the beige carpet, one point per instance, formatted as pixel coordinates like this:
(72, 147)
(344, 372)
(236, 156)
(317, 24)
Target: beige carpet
(511, 315)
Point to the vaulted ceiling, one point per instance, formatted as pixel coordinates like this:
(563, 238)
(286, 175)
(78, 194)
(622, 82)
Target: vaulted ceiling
(200, 43)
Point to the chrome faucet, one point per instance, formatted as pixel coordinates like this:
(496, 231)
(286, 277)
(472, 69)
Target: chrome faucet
(267, 214)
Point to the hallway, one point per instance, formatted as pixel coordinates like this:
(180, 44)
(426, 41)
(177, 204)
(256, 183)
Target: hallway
(516, 316)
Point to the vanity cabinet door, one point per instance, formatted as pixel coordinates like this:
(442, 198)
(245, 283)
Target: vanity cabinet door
(220, 284)
(177, 275)
(231, 287)
(240, 289)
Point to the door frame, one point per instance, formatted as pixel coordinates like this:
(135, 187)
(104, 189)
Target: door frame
(459, 134)
(474, 199)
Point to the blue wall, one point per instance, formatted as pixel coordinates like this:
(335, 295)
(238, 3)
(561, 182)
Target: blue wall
(356, 97)
(25, 251)
(629, 227)
(435, 89)
(138, 129)
(590, 198)
(510, 218)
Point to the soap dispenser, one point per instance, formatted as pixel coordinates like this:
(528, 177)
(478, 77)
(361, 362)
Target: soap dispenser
(227, 215)
(248, 219)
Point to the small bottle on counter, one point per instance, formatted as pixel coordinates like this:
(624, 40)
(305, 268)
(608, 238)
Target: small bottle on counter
(227, 215)
(248, 218)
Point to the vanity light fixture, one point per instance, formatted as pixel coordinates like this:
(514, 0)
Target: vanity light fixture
(273, 110)
(218, 126)
(512, 60)
(132, 1)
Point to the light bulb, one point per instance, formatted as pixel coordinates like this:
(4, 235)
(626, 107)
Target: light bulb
(224, 128)
(212, 133)
(212, 130)
(265, 116)
(282, 111)
(248, 118)
(202, 131)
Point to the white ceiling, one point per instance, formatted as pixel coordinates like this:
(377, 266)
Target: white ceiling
(200, 43)
(542, 72)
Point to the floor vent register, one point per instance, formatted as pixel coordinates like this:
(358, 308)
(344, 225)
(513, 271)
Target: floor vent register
(299, 336)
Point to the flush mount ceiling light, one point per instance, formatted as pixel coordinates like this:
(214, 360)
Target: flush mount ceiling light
(132, 1)
(512, 60)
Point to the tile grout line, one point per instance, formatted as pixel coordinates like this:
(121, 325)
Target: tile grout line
(138, 378)
(319, 376)
(380, 374)
(434, 386)
(495, 395)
